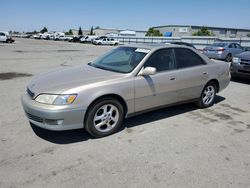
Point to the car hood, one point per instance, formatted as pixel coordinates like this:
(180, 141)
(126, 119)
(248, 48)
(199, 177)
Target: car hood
(244, 55)
(61, 80)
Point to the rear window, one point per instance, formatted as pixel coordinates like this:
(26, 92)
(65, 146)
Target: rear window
(220, 44)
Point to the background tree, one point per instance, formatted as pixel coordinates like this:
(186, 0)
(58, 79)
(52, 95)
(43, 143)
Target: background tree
(97, 27)
(70, 32)
(203, 32)
(92, 31)
(80, 31)
(44, 30)
(32, 32)
(153, 32)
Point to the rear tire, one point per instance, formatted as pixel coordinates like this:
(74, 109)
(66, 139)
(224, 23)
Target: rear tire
(229, 57)
(207, 96)
(104, 117)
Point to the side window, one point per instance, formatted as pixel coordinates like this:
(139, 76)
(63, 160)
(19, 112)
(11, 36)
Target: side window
(238, 46)
(187, 58)
(2, 34)
(162, 60)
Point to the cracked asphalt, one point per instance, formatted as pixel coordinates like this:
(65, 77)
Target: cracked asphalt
(181, 146)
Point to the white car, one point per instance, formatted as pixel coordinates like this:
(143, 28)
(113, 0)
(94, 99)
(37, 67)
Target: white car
(88, 39)
(5, 37)
(64, 38)
(106, 41)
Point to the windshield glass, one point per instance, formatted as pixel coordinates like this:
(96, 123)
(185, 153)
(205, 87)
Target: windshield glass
(220, 44)
(122, 59)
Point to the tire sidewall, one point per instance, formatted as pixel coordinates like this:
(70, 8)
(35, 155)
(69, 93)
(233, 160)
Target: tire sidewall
(89, 126)
(212, 102)
(229, 55)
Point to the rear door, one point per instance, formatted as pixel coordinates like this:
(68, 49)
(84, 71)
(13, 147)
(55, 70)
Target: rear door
(238, 48)
(233, 49)
(159, 89)
(104, 41)
(192, 74)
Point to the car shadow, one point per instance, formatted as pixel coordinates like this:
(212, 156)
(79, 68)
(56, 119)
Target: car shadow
(61, 137)
(80, 135)
(164, 113)
(241, 80)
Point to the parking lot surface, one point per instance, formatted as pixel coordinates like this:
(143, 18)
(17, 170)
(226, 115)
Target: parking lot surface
(181, 146)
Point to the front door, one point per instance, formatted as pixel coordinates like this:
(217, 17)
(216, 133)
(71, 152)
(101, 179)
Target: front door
(159, 89)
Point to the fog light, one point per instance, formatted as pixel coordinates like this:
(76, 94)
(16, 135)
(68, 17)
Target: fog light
(59, 122)
(53, 121)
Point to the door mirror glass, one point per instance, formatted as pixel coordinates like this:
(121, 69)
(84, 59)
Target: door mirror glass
(147, 71)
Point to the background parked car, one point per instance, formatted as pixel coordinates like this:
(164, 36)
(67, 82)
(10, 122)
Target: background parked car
(64, 38)
(88, 39)
(223, 50)
(76, 39)
(5, 37)
(105, 41)
(240, 66)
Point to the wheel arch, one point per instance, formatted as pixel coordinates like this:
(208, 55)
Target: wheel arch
(111, 95)
(216, 82)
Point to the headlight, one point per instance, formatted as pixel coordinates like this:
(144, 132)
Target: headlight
(56, 99)
(236, 60)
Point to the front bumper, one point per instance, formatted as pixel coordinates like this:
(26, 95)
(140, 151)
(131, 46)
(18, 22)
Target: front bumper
(51, 117)
(238, 70)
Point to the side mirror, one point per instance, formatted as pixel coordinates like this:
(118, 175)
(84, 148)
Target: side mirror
(147, 71)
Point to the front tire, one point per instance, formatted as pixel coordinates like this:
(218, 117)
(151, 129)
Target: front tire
(208, 95)
(104, 117)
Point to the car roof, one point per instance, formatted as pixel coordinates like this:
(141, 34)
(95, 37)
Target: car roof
(156, 46)
(225, 42)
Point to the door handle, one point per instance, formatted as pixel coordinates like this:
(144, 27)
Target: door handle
(172, 78)
(204, 73)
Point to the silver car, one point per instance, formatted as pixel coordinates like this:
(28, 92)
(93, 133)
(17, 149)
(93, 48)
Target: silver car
(223, 50)
(240, 66)
(126, 81)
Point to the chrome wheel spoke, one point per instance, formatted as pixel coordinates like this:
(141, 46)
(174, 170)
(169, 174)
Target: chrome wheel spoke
(96, 118)
(100, 124)
(106, 118)
(114, 119)
(208, 95)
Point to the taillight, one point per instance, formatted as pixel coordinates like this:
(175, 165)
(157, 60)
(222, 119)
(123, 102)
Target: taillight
(220, 49)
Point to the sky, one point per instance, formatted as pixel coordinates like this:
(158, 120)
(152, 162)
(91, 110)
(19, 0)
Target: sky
(61, 15)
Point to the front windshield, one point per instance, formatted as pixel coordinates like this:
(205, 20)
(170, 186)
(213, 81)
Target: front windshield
(122, 59)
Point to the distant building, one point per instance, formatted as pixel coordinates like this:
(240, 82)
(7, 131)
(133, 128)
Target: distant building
(102, 32)
(118, 32)
(188, 30)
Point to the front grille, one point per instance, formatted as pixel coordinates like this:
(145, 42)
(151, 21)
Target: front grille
(31, 94)
(34, 118)
(245, 62)
(244, 71)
